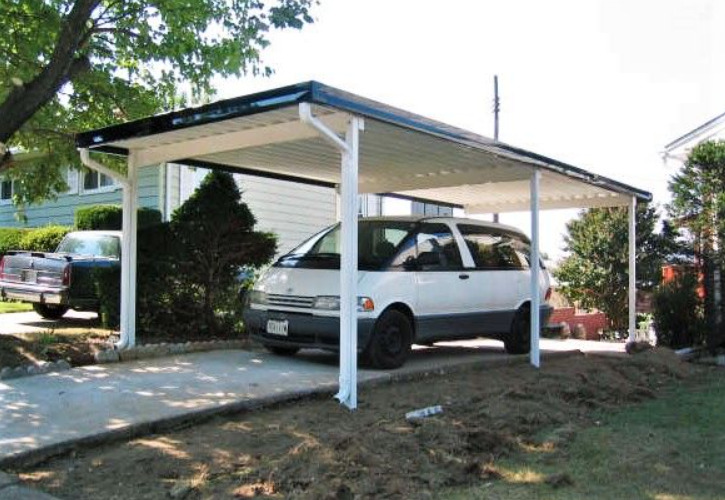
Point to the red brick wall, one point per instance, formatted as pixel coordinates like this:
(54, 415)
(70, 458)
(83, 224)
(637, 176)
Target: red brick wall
(592, 322)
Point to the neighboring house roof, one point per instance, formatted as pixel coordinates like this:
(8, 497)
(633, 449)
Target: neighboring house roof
(709, 130)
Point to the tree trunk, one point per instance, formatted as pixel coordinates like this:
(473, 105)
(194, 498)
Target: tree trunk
(65, 63)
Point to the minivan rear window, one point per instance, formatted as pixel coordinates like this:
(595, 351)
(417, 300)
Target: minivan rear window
(494, 249)
(378, 242)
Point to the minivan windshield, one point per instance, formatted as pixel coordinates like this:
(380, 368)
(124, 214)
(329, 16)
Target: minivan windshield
(378, 242)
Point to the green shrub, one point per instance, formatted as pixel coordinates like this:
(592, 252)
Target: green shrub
(10, 238)
(107, 281)
(98, 217)
(110, 217)
(43, 239)
(678, 312)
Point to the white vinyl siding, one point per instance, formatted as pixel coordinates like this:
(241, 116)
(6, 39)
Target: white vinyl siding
(291, 210)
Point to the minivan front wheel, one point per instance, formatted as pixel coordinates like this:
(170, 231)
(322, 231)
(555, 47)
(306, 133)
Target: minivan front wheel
(391, 340)
(518, 340)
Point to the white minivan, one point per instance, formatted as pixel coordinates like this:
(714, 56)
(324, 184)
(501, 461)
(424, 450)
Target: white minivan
(420, 280)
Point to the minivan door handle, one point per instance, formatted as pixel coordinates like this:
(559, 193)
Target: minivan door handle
(463, 276)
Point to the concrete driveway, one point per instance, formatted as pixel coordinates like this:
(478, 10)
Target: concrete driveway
(30, 322)
(47, 414)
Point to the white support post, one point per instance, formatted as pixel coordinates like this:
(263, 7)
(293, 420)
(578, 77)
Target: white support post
(338, 203)
(128, 257)
(633, 270)
(347, 394)
(349, 149)
(535, 270)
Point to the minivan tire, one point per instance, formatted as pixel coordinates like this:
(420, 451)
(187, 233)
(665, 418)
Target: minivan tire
(50, 311)
(282, 351)
(518, 341)
(390, 344)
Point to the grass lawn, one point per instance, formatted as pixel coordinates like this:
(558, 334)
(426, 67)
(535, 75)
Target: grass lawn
(666, 449)
(11, 307)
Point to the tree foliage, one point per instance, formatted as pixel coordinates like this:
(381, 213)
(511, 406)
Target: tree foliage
(595, 274)
(215, 237)
(698, 208)
(73, 65)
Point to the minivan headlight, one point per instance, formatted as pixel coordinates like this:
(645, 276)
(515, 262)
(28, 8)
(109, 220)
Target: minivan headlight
(327, 302)
(258, 297)
(332, 303)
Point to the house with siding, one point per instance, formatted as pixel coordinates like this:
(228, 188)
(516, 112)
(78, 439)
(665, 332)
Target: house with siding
(291, 210)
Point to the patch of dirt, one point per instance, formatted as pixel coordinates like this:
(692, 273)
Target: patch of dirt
(315, 449)
(78, 350)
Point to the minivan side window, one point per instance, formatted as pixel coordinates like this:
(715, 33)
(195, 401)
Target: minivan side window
(436, 248)
(494, 249)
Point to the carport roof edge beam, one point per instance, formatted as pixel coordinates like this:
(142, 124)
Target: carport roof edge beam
(120, 139)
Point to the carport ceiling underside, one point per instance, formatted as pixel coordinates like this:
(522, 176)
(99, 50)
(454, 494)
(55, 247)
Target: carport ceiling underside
(400, 153)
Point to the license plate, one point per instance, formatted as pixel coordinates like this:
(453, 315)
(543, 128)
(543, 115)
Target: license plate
(277, 327)
(29, 276)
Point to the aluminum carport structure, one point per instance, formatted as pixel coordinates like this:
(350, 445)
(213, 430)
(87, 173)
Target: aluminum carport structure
(317, 134)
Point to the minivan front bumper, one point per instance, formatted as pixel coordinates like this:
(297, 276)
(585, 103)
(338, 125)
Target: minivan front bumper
(304, 330)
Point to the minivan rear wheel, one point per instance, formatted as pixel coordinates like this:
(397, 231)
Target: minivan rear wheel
(518, 341)
(391, 340)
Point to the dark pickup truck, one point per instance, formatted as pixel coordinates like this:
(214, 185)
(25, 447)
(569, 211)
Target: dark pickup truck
(56, 282)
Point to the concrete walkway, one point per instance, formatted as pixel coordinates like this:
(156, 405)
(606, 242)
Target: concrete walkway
(48, 414)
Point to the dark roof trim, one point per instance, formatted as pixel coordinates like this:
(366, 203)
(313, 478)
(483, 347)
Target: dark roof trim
(189, 117)
(318, 93)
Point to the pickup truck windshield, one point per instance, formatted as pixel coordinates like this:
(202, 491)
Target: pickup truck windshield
(378, 242)
(98, 245)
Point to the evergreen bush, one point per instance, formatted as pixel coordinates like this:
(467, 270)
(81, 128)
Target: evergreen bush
(678, 312)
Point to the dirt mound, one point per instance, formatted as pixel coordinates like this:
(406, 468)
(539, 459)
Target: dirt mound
(316, 449)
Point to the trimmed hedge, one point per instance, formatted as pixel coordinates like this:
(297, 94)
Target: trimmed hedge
(10, 238)
(110, 217)
(43, 239)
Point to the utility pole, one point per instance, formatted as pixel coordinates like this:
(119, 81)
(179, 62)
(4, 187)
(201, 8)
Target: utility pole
(496, 109)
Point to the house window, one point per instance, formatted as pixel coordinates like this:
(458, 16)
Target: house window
(6, 191)
(96, 182)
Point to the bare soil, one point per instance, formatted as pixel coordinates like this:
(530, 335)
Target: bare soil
(314, 449)
(76, 348)
(76, 340)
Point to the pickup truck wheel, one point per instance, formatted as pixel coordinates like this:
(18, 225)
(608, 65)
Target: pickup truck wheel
(518, 340)
(282, 351)
(50, 311)
(390, 343)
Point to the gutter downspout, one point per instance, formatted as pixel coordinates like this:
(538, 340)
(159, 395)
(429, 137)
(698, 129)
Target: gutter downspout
(347, 394)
